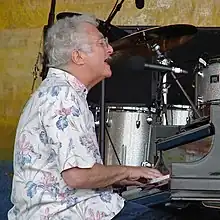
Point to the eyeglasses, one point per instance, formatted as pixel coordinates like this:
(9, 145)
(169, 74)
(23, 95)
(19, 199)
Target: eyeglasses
(103, 42)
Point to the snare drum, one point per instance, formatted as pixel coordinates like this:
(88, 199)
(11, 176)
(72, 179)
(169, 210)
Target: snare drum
(127, 133)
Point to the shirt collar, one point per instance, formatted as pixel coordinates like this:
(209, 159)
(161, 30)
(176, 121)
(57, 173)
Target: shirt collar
(72, 80)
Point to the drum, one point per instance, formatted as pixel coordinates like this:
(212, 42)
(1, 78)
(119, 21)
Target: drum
(127, 132)
(177, 115)
(207, 82)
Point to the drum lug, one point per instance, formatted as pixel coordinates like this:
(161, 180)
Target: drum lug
(201, 74)
(200, 99)
(96, 116)
(147, 164)
(108, 120)
(138, 122)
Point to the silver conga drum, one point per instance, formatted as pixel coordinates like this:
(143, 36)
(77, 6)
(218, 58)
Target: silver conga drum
(127, 132)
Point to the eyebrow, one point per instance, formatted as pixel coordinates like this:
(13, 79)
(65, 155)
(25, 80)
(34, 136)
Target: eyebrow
(101, 36)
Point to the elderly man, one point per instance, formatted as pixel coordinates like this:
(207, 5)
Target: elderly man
(58, 172)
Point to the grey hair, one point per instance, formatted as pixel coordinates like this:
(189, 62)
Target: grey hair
(65, 36)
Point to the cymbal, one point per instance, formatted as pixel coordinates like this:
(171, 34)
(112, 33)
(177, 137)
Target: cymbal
(140, 43)
(112, 32)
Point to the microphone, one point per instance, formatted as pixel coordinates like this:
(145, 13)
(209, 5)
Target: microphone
(139, 64)
(164, 68)
(139, 4)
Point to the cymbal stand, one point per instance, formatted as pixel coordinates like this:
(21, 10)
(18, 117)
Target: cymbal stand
(102, 104)
(162, 59)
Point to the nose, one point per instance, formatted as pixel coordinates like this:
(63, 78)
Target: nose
(109, 49)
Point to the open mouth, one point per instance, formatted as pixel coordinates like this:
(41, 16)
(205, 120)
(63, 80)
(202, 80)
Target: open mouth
(108, 60)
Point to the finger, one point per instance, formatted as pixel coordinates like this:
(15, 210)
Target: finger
(153, 173)
(150, 176)
(136, 183)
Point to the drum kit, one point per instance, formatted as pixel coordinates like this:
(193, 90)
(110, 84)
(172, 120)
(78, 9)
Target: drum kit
(129, 130)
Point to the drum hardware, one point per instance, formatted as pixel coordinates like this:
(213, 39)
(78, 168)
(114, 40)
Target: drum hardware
(96, 117)
(147, 164)
(108, 120)
(138, 123)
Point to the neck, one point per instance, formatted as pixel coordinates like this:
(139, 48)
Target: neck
(84, 76)
(80, 74)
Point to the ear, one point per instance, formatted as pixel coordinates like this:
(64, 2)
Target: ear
(77, 57)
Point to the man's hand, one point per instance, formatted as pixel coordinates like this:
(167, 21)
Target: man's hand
(141, 173)
(100, 176)
(139, 176)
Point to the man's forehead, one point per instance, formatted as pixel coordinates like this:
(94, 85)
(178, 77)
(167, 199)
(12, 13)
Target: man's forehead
(93, 30)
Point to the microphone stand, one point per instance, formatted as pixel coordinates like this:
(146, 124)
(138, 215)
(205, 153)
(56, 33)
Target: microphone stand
(50, 22)
(162, 59)
(102, 104)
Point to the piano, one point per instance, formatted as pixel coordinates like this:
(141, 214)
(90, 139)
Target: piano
(190, 182)
(198, 180)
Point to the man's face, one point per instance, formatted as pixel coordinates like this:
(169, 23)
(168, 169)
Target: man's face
(101, 51)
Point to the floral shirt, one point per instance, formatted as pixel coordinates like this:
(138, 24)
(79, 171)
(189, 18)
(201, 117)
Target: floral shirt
(56, 132)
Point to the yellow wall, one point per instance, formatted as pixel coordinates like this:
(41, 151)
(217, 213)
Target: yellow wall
(21, 23)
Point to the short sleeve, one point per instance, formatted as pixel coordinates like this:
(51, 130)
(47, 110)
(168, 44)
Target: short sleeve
(69, 131)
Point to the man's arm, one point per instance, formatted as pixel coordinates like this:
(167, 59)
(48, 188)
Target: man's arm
(98, 176)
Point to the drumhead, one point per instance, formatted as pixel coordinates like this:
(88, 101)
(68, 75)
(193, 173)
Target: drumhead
(129, 108)
(179, 107)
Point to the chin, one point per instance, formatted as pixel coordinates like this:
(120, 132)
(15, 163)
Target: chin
(108, 74)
